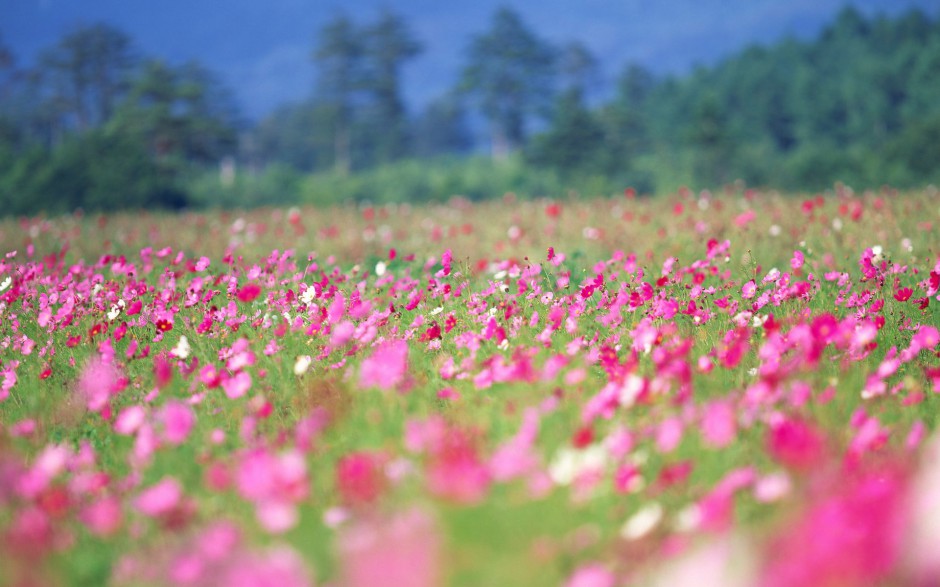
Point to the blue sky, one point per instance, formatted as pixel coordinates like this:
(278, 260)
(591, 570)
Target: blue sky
(261, 48)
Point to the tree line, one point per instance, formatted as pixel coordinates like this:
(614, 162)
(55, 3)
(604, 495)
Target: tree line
(95, 124)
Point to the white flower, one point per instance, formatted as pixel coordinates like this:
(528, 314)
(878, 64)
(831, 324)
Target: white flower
(569, 463)
(837, 224)
(775, 230)
(436, 311)
(114, 312)
(380, 268)
(689, 518)
(308, 295)
(500, 275)
(302, 364)
(182, 348)
(631, 390)
(6, 283)
(742, 318)
(642, 522)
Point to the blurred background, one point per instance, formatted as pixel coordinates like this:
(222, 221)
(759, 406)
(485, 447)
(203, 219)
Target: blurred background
(111, 104)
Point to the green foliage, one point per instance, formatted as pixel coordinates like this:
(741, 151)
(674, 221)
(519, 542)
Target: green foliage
(359, 89)
(99, 126)
(572, 142)
(93, 171)
(87, 74)
(439, 180)
(442, 128)
(849, 106)
(277, 185)
(509, 73)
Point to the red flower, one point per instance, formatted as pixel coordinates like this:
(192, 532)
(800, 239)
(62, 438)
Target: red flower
(359, 478)
(432, 333)
(583, 437)
(796, 444)
(249, 293)
(903, 294)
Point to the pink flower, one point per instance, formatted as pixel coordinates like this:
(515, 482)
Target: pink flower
(591, 575)
(130, 419)
(797, 261)
(178, 420)
(402, 551)
(98, 382)
(748, 290)
(342, 333)
(359, 478)
(274, 483)
(102, 517)
(796, 444)
(160, 499)
(456, 472)
(851, 536)
(237, 385)
(669, 435)
(387, 367)
(718, 424)
(279, 567)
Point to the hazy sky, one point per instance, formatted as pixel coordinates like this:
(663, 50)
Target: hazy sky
(261, 49)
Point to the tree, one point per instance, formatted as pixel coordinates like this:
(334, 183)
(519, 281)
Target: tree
(626, 130)
(573, 140)
(442, 128)
(389, 44)
(579, 68)
(574, 137)
(8, 127)
(179, 113)
(510, 74)
(87, 73)
(709, 135)
(339, 56)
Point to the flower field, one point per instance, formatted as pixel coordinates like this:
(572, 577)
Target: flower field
(700, 389)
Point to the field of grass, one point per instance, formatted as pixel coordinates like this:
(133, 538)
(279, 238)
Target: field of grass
(698, 389)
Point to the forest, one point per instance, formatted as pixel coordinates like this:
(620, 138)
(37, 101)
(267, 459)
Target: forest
(94, 124)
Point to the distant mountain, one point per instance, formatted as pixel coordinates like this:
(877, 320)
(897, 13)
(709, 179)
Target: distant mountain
(262, 49)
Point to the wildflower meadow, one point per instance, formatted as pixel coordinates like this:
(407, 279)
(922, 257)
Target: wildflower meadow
(730, 388)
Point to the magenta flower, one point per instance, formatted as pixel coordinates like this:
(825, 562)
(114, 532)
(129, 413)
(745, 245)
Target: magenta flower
(387, 367)
(160, 499)
(401, 551)
(99, 381)
(178, 420)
